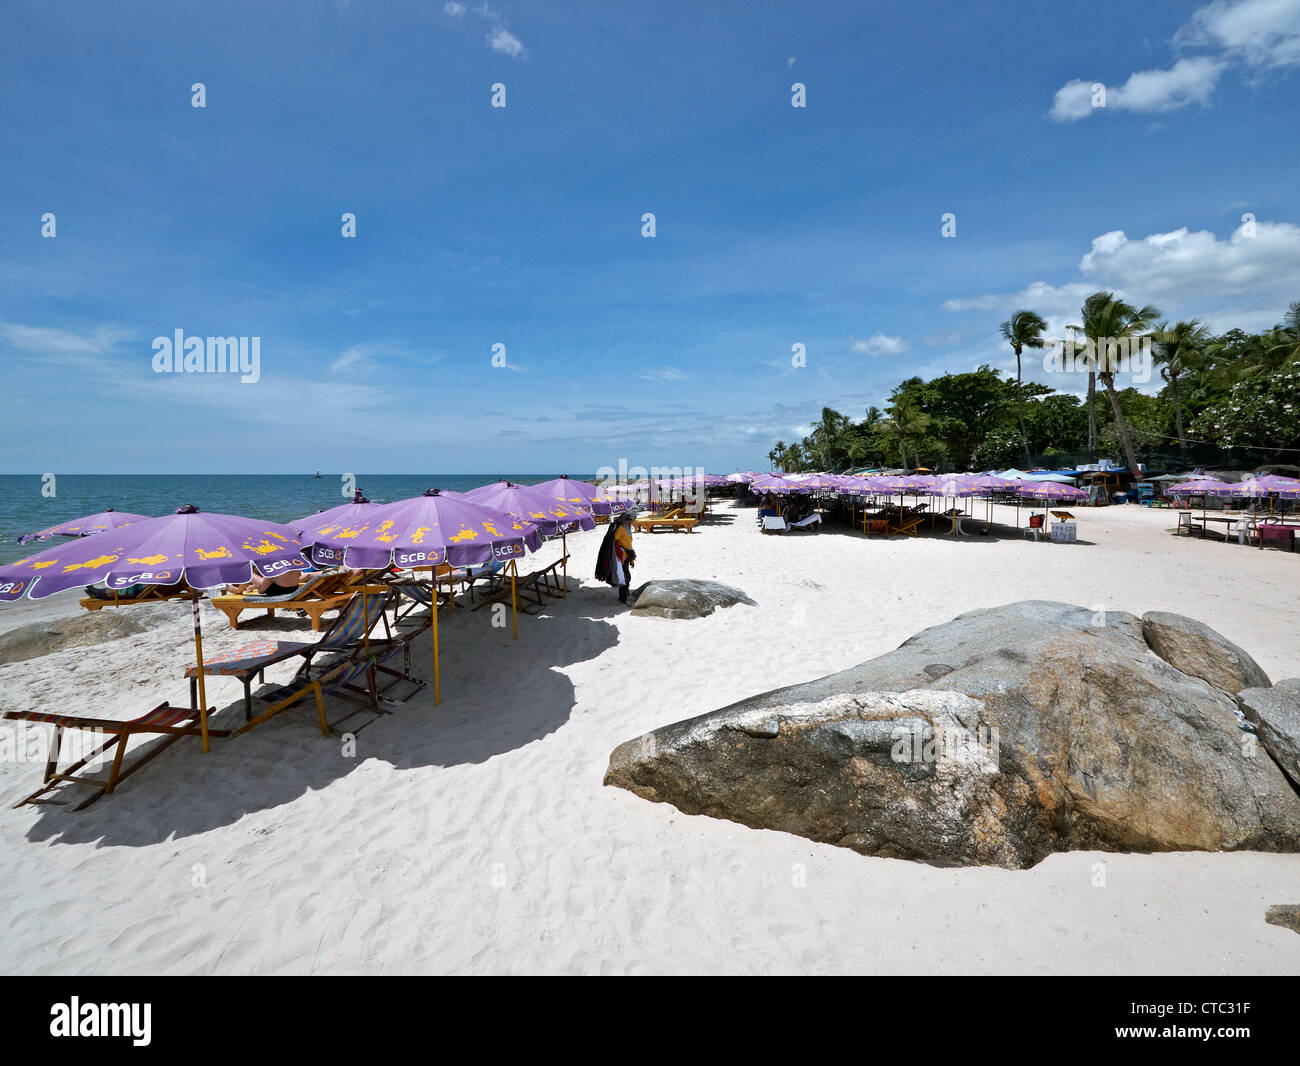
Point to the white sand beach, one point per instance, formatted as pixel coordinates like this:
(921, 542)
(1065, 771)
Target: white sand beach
(477, 837)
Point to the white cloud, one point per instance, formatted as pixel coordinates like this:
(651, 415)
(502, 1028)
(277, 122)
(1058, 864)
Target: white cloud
(505, 42)
(790, 62)
(1038, 296)
(455, 10)
(668, 373)
(1197, 264)
(1240, 280)
(1189, 81)
(1256, 34)
(880, 344)
(1261, 33)
(44, 340)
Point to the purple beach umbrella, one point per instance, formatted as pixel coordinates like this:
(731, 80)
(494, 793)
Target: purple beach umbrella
(203, 550)
(340, 517)
(84, 527)
(521, 502)
(550, 516)
(566, 490)
(422, 533)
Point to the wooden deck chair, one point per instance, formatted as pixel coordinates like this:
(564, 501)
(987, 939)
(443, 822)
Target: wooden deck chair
(170, 723)
(347, 632)
(674, 523)
(531, 589)
(150, 594)
(338, 679)
(487, 574)
(325, 592)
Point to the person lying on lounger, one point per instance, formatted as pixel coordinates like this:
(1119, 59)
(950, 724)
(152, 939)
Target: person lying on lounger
(281, 585)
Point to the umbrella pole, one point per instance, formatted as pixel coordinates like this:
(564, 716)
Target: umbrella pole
(514, 599)
(437, 666)
(564, 552)
(198, 656)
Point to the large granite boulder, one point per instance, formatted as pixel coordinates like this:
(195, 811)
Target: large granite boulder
(996, 738)
(1275, 714)
(1196, 649)
(35, 639)
(686, 598)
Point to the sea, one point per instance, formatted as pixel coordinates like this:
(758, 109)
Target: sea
(31, 502)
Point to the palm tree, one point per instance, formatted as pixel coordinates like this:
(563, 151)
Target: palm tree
(1022, 330)
(1107, 320)
(824, 435)
(907, 422)
(774, 456)
(1180, 349)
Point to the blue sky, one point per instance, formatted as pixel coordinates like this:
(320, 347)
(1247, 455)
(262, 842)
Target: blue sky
(522, 226)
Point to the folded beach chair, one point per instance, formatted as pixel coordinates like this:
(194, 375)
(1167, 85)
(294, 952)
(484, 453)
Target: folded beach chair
(171, 723)
(324, 592)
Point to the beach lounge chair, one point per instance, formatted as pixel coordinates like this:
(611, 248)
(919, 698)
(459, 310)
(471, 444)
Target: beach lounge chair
(358, 619)
(812, 521)
(907, 522)
(142, 594)
(774, 524)
(653, 523)
(530, 589)
(324, 592)
(339, 679)
(171, 723)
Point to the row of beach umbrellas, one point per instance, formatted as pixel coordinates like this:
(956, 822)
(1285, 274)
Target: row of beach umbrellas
(208, 551)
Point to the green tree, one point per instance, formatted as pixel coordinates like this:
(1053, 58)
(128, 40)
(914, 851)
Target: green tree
(1107, 320)
(1179, 350)
(1022, 330)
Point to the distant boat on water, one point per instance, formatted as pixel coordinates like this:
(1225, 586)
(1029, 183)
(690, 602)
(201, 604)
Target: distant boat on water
(317, 473)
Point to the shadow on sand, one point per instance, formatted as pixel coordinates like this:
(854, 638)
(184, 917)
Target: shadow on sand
(498, 695)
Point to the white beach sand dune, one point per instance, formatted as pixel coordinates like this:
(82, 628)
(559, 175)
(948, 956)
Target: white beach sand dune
(476, 837)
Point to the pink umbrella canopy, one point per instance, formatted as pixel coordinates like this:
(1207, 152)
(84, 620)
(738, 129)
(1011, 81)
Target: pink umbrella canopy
(1048, 490)
(566, 490)
(84, 527)
(438, 527)
(206, 550)
(550, 516)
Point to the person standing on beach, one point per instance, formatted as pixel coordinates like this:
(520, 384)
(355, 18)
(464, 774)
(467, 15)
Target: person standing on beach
(614, 563)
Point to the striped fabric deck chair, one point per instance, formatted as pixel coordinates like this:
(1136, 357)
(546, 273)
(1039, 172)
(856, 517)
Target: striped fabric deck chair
(167, 722)
(358, 618)
(339, 679)
(531, 589)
